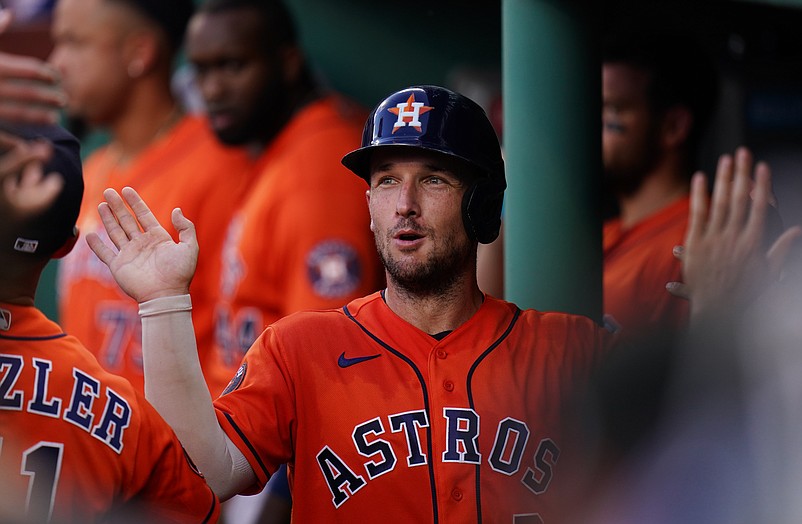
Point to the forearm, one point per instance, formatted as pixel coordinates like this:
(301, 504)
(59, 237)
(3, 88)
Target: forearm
(174, 384)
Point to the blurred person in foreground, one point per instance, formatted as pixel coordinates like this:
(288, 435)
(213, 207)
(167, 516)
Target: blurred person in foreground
(725, 445)
(29, 94)
(77, 444)
(29, 89)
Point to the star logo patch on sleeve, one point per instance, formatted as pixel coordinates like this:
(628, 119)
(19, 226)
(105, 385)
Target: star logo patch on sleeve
(333, 268)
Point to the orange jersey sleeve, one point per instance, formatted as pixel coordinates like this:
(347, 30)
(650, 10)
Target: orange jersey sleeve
(78, 444)
(186, 168)
(638, 263)
(376, 417)
(302, 239)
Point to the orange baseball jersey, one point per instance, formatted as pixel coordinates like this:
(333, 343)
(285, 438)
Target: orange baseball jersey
(302, 239)
(638, 262)
(379, 419)
(185, 168)
(78, 444)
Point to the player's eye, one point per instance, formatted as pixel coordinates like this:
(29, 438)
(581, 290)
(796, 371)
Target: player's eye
(201, 70)
(232, 66)
(378, 179)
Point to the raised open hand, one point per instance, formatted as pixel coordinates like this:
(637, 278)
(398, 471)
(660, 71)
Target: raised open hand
(725, 265)
(148, 263)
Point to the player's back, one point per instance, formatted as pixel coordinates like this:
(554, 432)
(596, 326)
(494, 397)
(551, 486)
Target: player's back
(78, 444)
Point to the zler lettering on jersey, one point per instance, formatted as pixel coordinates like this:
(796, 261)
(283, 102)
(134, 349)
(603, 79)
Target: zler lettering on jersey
(462, 436)
(109, 427)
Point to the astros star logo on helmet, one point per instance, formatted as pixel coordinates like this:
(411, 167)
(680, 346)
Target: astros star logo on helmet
(409, 113)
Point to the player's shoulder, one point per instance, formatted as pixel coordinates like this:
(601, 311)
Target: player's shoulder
(336, 110)
(558, 321)
(321, 318)
(329, 124)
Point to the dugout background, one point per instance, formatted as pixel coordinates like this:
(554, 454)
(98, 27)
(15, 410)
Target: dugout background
(368, 48)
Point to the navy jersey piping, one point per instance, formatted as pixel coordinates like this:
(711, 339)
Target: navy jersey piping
(475, 365)
(409, 362)
(247, 443)
(33, 339)
(211, 509)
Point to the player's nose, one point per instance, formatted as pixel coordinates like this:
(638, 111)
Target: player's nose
(407, 203)
(211, 86)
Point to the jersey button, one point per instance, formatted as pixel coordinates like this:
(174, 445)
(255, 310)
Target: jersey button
(441, 353)
(456, 494)
(448, 385)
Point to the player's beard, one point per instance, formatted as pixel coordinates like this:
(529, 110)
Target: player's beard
(437, 274)
(625, 176)
(264, 120)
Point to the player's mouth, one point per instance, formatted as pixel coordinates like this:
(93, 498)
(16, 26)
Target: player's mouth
(408, 238)
(220, 119)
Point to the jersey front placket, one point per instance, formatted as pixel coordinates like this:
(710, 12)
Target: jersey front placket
(455, 431)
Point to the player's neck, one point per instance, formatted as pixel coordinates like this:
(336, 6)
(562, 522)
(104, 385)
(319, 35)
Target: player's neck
(657, 191)
(18, 283)
(142, 124)
(435, 313)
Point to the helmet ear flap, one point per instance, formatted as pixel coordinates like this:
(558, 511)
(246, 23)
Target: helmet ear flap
(481, 210)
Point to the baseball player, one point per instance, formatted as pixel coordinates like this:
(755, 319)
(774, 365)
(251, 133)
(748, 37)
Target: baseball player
(425, 402)
(297, 240)
(77, 444)
(118, 78)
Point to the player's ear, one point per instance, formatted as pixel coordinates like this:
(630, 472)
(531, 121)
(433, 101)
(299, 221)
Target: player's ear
(292, 61)
(367, 198)
(677, 124)
(68, 245)
(141, 50)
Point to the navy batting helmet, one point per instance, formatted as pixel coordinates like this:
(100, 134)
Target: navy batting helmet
(436, 119)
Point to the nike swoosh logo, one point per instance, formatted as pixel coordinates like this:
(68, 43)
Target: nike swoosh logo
(344, 362)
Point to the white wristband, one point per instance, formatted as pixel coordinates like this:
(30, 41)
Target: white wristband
(164, 305)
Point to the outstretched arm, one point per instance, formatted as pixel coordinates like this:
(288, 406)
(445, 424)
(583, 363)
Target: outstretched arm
(155, 271)
(725, 263)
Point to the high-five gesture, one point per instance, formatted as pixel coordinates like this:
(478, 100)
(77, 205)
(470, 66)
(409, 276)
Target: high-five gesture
(725, 262)
(148, 264)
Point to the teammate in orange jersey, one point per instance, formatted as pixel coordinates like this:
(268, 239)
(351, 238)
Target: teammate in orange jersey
(115, 59)
(77, 444)
(301, 238)
(659, 92)
(428, 401)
